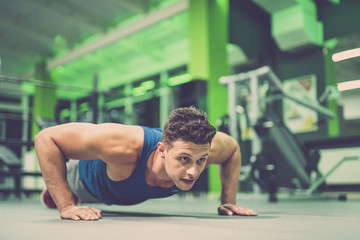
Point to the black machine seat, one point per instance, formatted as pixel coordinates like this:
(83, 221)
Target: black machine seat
(8, 157)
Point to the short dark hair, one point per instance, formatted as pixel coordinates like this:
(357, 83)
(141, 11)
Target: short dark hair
(188, 124)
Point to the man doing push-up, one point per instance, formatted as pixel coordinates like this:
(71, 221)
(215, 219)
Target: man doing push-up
(126, 165)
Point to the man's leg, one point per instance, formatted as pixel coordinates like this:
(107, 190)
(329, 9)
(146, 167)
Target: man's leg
(46, 199)
(76, 185)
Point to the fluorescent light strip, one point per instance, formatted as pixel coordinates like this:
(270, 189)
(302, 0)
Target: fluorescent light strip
(180, 79)
(337, 57)
(344, 86)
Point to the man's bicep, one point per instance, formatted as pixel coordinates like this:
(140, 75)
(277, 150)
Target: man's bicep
(75, 140)
(106, 141)
(118, 142)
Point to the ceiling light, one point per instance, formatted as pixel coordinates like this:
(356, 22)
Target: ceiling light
(180, 79)
(143, 88)
(337, 57)
(344, 86)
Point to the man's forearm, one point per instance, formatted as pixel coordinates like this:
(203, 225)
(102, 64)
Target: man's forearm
(58, 186)
(53, 168)
(229, 176)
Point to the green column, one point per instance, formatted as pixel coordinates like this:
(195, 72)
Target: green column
(44, 97)
(333, 124)
(208, 31)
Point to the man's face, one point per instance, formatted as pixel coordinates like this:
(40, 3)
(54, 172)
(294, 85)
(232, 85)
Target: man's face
(184, 162)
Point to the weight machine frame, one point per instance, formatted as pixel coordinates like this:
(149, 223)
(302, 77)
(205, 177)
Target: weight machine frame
(252, 80)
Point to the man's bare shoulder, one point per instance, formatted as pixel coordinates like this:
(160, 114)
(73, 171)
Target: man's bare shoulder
(111, 142)
(129, 132)
(120, 142)
(222, 146)
(121, 151)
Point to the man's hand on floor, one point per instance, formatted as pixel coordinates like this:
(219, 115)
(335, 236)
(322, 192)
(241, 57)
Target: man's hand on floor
(232, 209)
(80, 213)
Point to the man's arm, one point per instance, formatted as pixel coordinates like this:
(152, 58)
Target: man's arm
(79, 141)
(225, 151)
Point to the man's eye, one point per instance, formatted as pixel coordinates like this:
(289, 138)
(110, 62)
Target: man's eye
(184, 159)
(201, 160)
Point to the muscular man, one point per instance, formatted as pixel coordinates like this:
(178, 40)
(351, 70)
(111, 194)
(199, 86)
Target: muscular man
(130, 164)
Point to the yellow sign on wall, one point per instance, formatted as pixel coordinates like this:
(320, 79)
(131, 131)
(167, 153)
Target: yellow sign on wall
(297, 117)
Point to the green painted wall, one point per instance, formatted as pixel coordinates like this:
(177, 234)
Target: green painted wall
(332, 104)
(44, 98)
(208, 33)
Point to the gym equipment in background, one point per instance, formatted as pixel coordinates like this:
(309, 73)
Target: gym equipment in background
(10, 169)
(278, 158)
(15, 129)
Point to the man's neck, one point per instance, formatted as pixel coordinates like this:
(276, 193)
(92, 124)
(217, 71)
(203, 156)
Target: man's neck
(156, 175)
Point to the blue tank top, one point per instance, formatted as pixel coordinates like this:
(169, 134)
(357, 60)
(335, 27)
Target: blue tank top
(131, 190)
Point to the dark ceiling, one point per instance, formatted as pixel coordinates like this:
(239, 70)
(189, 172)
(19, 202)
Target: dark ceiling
(36, 30)
(32, 31)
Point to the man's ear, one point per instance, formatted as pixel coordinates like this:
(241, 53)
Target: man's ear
(161, 148)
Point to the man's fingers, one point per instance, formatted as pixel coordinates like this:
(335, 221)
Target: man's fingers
(243, 211)
(81, 216)
(76, 218)
(97, 212)
(231, 209)
(88, 216)
(72, 217)
(81, 213)
(224, 211)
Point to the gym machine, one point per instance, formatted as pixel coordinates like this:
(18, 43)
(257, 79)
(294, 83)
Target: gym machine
(10, 167)
(15, 113)
(278, 159)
